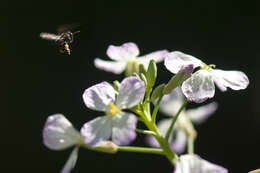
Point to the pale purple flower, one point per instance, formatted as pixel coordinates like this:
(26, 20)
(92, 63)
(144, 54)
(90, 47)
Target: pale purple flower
(117, 124)
(170, 105)
(194, 164)
(59, 134)
(126, 54)
(200, 86)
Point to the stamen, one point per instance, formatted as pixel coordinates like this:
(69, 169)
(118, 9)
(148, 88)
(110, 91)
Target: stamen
(208, 67)
(113, 110)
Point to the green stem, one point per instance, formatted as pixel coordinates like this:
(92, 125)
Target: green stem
(190, 145)
(156, 107)
(175, 119)
(146, 132)
(142, 150)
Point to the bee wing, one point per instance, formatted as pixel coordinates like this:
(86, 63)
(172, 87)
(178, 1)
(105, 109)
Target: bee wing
(49, 36)
(67, 27)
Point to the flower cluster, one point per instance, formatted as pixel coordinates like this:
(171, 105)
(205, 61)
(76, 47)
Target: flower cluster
(124, 104)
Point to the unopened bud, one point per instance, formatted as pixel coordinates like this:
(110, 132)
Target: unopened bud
(107, 147)
(184, 73)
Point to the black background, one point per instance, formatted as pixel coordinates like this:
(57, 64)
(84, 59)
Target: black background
(38, 81)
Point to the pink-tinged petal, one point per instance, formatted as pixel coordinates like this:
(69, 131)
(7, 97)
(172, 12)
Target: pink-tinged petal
(123, 53)
(189, 163)
(158, 56)
(71, 162)
(58, 133)
(174, 61)
(199, 87)
(99, 96)
(235, 80)
(110, 66)
(97, 130)
(202, 113)
(131, 92)
(172, 102)
(178, 144)
(124, 125)
(150, 140)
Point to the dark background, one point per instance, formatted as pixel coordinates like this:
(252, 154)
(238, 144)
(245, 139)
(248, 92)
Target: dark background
(38, 81)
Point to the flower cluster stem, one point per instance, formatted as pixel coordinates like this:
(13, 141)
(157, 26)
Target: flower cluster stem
(141, 150)
(174, 119)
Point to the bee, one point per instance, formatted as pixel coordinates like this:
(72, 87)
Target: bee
(63, 38)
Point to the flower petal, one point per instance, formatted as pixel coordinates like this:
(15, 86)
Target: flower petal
(124, 125)
(174, 61)
(123, 53)
(110, 66)
(99, 96)
(97, 130)
(171, 103)
(200, 114)
(178, 144)
(131, 92)
(71, 162)
(199, 87)
(192, 163)
(158, 56)
(58, 133)
(235, 80)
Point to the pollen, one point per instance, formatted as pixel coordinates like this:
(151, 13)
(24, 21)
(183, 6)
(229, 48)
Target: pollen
(113, 110)
(208, 67)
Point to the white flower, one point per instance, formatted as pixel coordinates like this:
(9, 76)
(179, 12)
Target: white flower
(126, 58)
(117, 123)
(59, 134)
(200, 86)
(170, 105)
(195, 164)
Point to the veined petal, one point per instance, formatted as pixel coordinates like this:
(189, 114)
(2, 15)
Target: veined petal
(110, 66)
(199, 87)
(97, 130)
(131, 92)
(202, 113)
(158, 56)
(194, 164)
(178, 144)
(235, 80)
(71, 162)
(174, 61)
(172, 102)
(124, 125)
(99, 96)
(123, 53)
(58, 133)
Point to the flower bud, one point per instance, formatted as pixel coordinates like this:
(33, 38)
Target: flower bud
(183, 74)
(157, 92)
(107, 147)
(151, 73)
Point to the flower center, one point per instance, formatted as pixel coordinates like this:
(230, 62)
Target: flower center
(208, 67)
(113, 110)
(132, 67)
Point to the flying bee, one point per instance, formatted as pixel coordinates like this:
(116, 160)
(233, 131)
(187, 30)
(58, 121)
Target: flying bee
(62, 39)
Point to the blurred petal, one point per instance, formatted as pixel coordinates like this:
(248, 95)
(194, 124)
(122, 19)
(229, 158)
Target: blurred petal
(235, 80)
(202, 113)
(110, 66)
(178, 144)
(199, 87)
(97, 130)
(124, 125)
(174, 61)
(131, 92)
(71, 162)
(99, 96)
(172, 102)
(58, 133)
(152, 141)
(194, 164)
(123, 53)
(158, 56)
